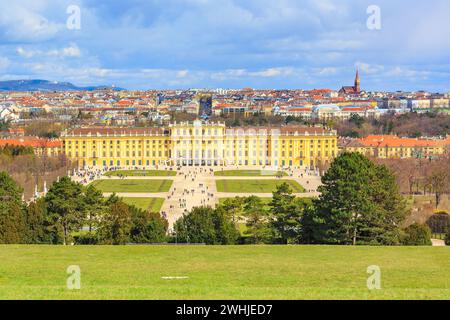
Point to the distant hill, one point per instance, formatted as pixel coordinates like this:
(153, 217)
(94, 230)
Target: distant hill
(45, 85)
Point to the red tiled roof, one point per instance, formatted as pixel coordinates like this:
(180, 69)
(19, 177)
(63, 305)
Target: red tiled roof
(301, 109)
(30, 142)
(394, 141)
(353, 109)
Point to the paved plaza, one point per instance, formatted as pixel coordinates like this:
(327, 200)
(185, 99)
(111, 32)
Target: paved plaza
(196, 186)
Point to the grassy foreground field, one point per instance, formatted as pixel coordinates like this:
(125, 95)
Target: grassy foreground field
(141, 173)
(245, 272)
(151, 204)
(255, 186)
(130, 186)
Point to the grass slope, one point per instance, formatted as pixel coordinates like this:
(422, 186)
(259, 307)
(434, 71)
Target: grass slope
(131, 186)
(255, 186)
(245, 272)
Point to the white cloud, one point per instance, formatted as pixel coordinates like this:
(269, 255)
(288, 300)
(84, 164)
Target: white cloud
(18, 23)
(369, 68)
(70, 51)
(328, 71)
(273, 72)
(405, 72)
(182, 73)
(24, 53)
(244, 73)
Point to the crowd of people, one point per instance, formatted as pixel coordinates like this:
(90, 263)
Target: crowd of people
(88, 174)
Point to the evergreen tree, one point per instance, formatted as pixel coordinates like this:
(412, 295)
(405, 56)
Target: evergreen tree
(417, 235)
(234, 207)
(206, 225)
(148, 227)
(257, 219)
(94, 205)
(12, 224)
(285, 214)
(36, 223)
(65, 205)
(196, 226)
(226, 232)
(112, 199)
(115, 226)
(359, 203)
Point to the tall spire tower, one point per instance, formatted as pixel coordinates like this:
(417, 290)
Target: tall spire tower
(357, 82)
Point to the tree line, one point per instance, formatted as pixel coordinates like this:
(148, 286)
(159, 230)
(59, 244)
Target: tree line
(419, 176)
(411, 124)
(360, 204)
(71, 213)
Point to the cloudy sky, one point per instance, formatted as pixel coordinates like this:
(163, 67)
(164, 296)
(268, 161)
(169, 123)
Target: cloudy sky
(142, 44)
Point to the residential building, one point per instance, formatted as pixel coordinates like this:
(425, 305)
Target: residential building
(393, 147)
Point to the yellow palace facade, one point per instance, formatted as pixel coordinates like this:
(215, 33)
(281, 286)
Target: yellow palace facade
(200, 144)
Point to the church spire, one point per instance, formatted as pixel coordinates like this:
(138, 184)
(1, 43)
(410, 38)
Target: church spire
(357, 82)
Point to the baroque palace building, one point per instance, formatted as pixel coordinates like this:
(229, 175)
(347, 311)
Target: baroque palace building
(200, 144)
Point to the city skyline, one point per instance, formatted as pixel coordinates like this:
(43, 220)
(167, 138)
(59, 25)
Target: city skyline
(227, 44)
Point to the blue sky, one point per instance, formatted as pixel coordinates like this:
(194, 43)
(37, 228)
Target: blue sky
(143, 44)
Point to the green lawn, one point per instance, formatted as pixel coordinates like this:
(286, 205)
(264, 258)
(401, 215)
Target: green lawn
(255, 186)
(131, 186)
(266, 201)
(151, 204)
(221, 272)
(248, 173)
(141, 173)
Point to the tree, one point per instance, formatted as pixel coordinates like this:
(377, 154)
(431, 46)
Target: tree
(359, 203)
(12, 224)
(226, 232)
(36, 223)
(234, 207)
(4, 125)
(440, 182)
(94, 205)
(357, 120)
(206, 225)
(439, 222)
(417, 235)
(307, 225)
(447, 237)
(65, 204)
(148, 227)
(115, 226)
(285, 214)
(112, 199)
(257, 219)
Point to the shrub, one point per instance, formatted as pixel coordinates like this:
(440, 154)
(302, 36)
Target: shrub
(85, 239)
(417, 235)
